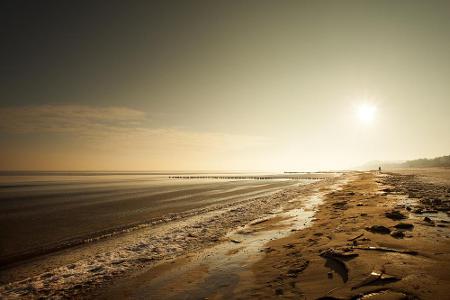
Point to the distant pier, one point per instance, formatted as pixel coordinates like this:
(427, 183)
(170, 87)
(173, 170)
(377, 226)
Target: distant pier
(246, 177)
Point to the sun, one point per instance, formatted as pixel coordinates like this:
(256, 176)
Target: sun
(366, 112)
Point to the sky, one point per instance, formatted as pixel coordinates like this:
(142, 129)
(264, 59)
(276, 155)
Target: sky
(222, 85)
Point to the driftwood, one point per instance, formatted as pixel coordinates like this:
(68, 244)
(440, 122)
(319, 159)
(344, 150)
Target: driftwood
(386, 249)
(376, 277)
(356, 237)
(256, 222)
(333, 253)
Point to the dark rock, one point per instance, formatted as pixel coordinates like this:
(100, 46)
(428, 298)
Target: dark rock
(404, 226)
(214, 238)
(118, 262)
(47, 275)
(279, 291)
(398, 234)
(96, 269)
(294, 271)
(299, 266)
(378, 229)
(428, 220)
(331, 252)
(436, 201)
(340, 205)
(144, 259)
(395, 215)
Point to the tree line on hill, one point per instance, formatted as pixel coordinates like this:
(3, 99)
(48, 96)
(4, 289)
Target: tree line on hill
(442, 161)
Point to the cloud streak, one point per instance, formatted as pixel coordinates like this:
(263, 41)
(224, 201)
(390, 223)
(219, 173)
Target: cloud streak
(109, 127)
(67, 119)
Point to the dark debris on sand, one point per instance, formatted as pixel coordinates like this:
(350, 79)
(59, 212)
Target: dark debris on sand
(432, 197)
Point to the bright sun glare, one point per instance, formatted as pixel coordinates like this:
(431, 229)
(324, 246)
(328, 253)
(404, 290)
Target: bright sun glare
(366, 112)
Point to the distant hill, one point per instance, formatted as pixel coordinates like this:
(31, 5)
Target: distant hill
(442, 161)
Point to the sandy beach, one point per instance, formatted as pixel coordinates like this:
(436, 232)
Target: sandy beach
(359, 235)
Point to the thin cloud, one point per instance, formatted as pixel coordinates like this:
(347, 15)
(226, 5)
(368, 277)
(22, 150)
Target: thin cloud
(66, 118)
(120, 127)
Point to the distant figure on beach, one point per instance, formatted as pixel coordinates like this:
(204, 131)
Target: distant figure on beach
(379, 169)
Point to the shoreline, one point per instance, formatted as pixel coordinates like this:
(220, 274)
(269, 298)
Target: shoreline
(93, 265)
(216, 270)
(61, 215)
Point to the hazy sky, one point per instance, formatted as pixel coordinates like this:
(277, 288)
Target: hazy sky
(241, 85)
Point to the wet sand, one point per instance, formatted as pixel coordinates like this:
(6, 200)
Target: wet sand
(218, 270)
(363, 235)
